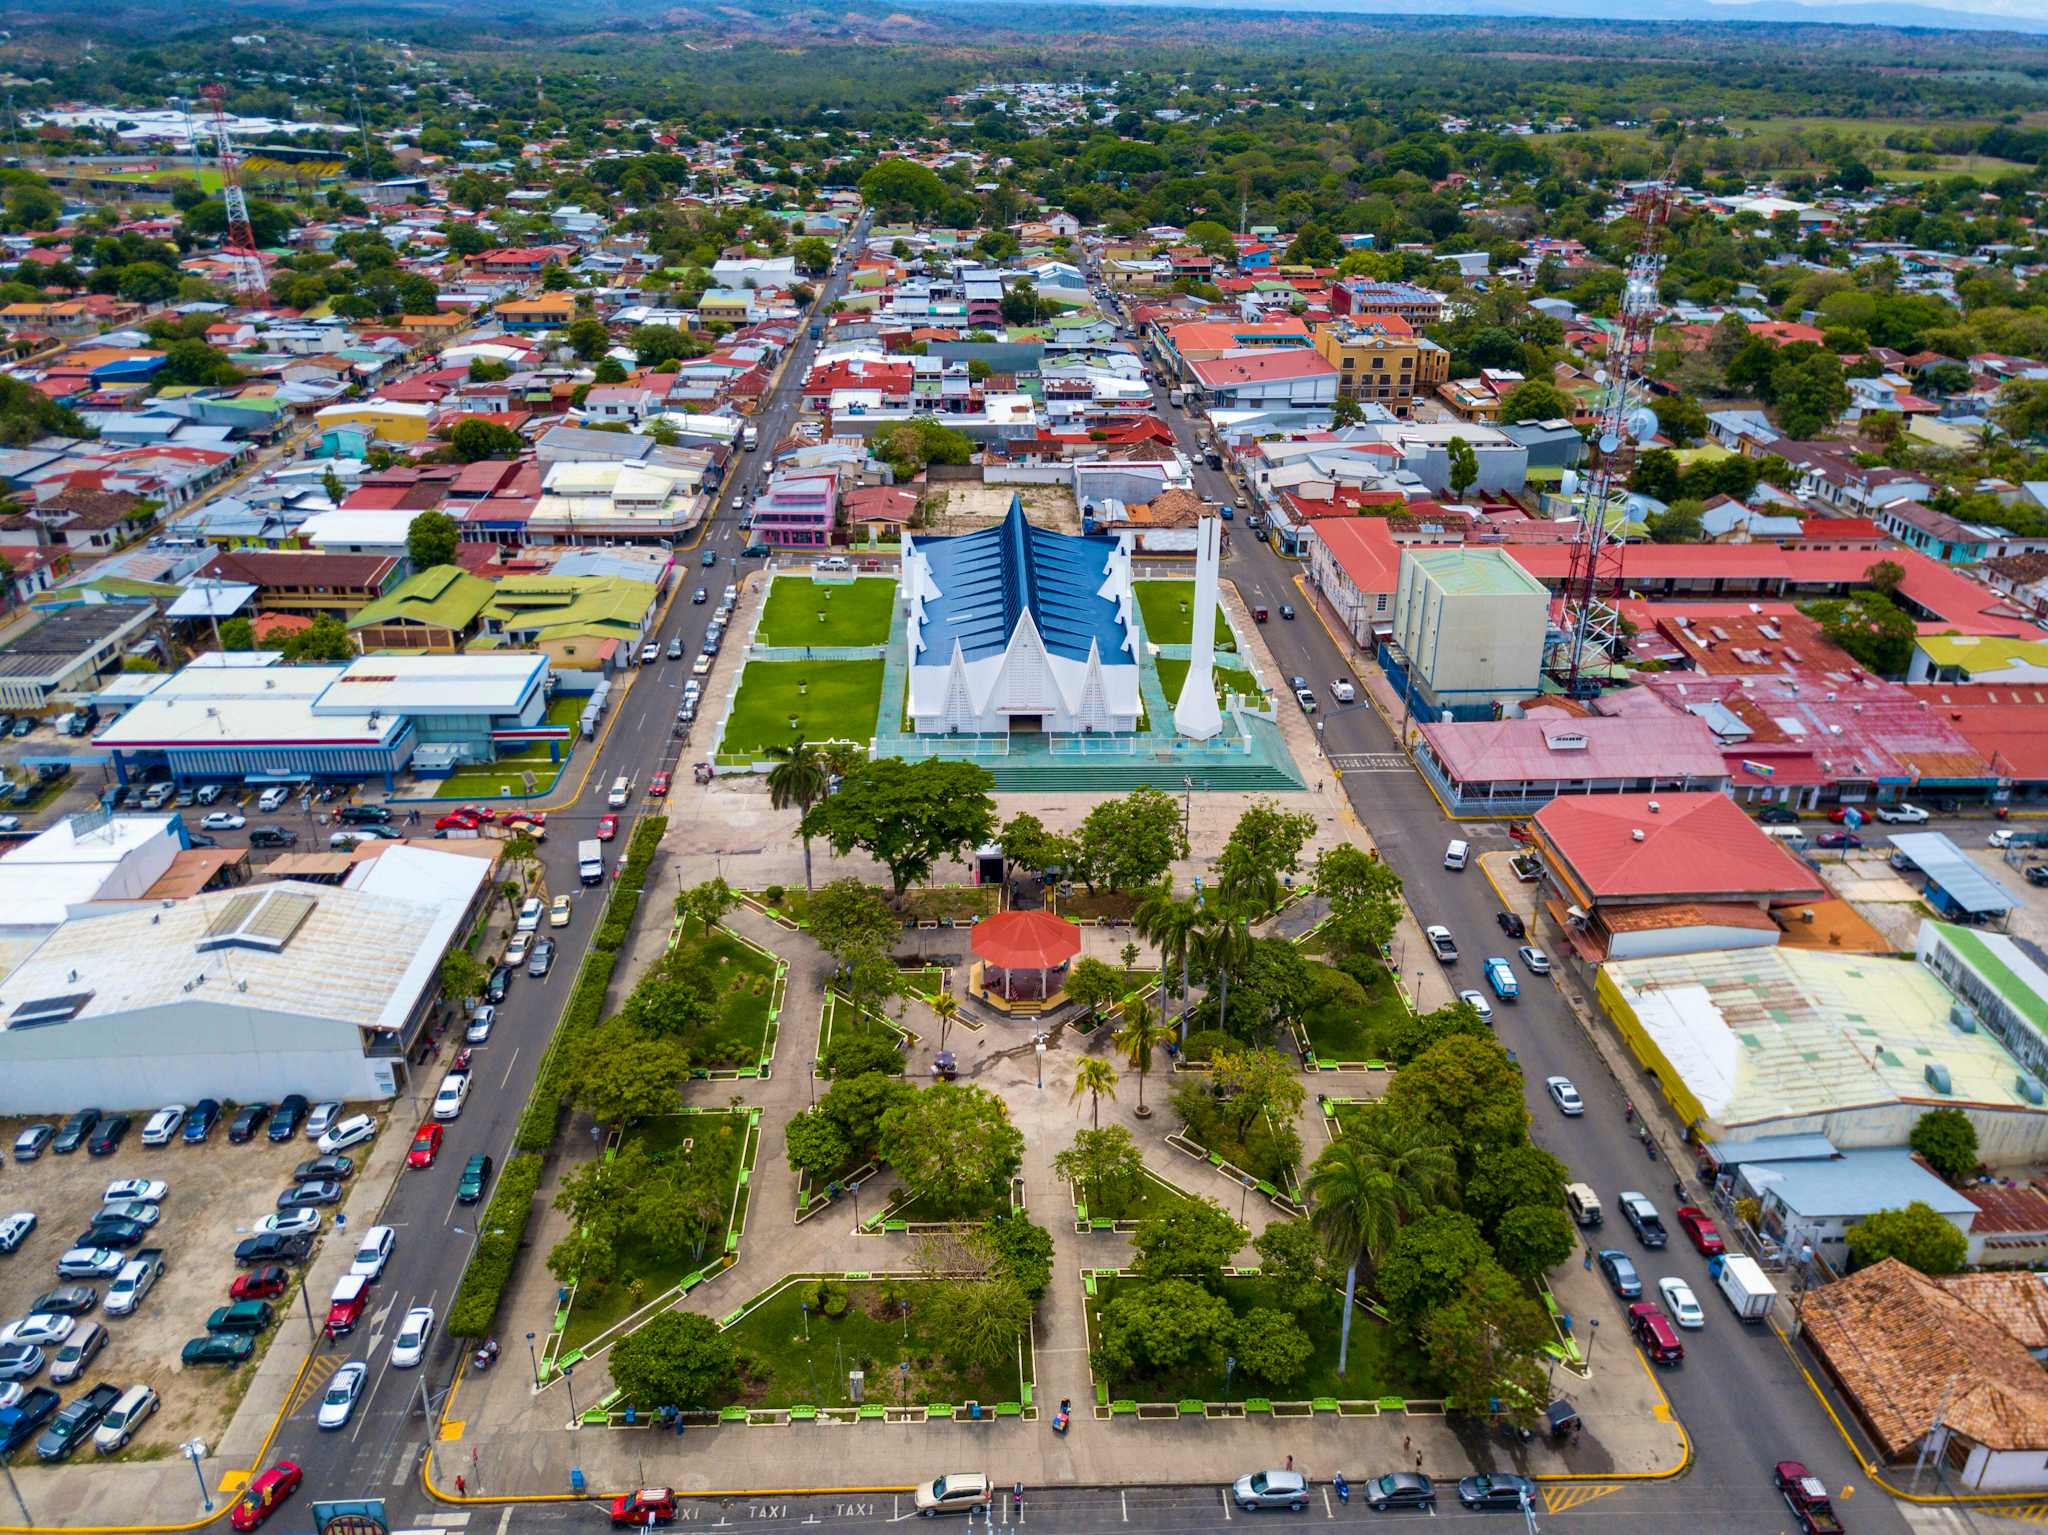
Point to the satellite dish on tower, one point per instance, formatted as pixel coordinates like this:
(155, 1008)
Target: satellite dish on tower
(1642, 423)
(1599, 375)
(1609, 442)
(1568, 483)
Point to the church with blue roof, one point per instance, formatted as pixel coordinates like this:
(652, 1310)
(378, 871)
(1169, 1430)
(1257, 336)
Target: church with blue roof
(1018, 628)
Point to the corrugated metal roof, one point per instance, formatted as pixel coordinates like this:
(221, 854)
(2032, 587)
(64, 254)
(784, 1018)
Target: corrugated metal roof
(1949, 866)
(990, 578)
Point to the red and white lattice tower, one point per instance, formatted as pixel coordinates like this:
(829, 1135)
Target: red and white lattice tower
(238, 248)
(1593, 584)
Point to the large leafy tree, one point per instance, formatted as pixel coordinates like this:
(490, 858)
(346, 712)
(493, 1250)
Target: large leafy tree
(1484, 1341)
(908, 815)
(1918, 1235)
(1428, 1261)
(1196, 1239)
(1104, 1166)
(1535, 400)
(1128, 843)
(678, 1359)
(618, 1073)
(432, 538)
(953, 1145)
(848, 919)
(1468, 1090)
(1871, 627)
(1264, 844)
(1163, 1327)
(1947, 1139)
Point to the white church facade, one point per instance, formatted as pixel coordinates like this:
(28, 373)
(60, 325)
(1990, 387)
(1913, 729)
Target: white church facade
(1014, 628)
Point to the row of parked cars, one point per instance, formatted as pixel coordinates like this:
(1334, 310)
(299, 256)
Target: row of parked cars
(59, 1330)
(101, 1133)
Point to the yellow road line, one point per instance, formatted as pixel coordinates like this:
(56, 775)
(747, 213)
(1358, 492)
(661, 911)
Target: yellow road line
(1557, 1499)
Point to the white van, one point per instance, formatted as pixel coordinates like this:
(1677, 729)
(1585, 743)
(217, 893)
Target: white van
(835, 562)
(1455, 855)
(1791, 836)
(273, 797)
(622, 790)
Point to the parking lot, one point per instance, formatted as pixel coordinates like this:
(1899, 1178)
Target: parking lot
(218, 1192)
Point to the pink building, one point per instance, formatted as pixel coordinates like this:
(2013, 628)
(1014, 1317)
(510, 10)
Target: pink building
(798, 511)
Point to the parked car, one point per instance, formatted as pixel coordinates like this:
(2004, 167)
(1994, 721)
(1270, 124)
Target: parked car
(20, 1361)
(1400, 1489)
(76, 1129)
(272, 836)
(1700, 1229)
(250, 1316)
(343, 1387)
(1271, 1489)
(261, 1498)
(1643, 1218)
(89, 1263)
(1476, 1000)
(1535, 959)
(517, 949)
(291, 1113)
(30, 1143)
(1619, 1272)
(247, 1121)
(1441, 943)
(163, 1125)
(320, 1119)
(224, 820)
(42, 1329)
(79, 1351)
(476, 1174)
(1840, 839)
(273, 1247)
(499, 983)
(135, 1280)
(953, 1494)
(1684, 1305)
(74, 1425)
(373, 1251)
(199, 1122)
(1497, 1490)
(352, 1131)
(1565, 1096)
(543, 959)
(115, 1231)
(1654, 1332)
(1902, 815)
(336, 1167)
(18, 1424)
(319, 1191)
(15, 1228)
(136, 1406)
(1510, 924)
(291, 1222)
(228, 1348)
(410, 1346)
(480, 1023)
(657, 786)
(426, 1146)
(66, 1300)
(265, 1283)
(454, 1092)
(1778, 815)
(558, 911)
(649, 1505)
(107, 1138)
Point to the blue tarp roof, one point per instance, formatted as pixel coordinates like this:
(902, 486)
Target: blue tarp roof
(988, 578)
(1950, 867)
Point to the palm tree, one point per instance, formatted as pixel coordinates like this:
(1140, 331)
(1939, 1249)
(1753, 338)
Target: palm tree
(798, 778)
(513, 892)
(1094, 1077)
(1170, 924)
(1223, 945)
(1141, 1030)
(945, 1004)
(1360, 1190)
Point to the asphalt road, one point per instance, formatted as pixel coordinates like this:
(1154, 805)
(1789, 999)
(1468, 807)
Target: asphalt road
(378, 1453)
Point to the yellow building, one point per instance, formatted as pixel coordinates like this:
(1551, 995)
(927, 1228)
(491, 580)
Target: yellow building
(1382, 361)
(391, 420)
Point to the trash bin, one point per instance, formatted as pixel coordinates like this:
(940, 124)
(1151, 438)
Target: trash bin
(576, 1482)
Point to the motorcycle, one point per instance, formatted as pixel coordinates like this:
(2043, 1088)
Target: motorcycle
(485, 1357)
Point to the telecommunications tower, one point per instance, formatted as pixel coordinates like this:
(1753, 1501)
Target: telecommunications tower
(238, 247)
(1592, 588)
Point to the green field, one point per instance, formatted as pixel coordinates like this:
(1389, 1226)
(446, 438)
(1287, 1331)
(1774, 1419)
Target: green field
(1380, 1364)
(1168, 619)
(805, 612)
(839, 705)
(780, 1368)
(1337, 1035)
(1173, 675)
(643, 1273)
(1141, 1198)
(745, 976)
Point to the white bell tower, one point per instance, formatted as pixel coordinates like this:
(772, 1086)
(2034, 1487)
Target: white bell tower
(1195, 714)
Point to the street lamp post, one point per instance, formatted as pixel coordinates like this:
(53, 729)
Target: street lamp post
(195, 1450)
(534, 1360)
(1038, 1049)
(569, 1380)
(1592, 1342)
(1244, 1201)
(312, 1336)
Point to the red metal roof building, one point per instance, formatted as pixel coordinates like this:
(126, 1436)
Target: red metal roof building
(1514, 766)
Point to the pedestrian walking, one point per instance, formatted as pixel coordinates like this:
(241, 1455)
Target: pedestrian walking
(1418, 1462)
(1407, 1446)
(1290, 1463)
(461, 1487)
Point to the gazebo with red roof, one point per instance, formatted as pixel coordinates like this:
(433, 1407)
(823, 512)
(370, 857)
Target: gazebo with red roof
(1023, 960)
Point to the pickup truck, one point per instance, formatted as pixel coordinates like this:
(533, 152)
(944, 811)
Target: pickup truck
(1807, 1496)
(1642, 1217)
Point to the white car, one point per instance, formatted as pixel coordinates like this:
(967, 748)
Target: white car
(701, 665)
(1306, 699)
(454, 1091)
(1343, 691)
(343, 1387)
(1908, 815)
(321, 1120)
(352, 1131)
(152, 1191)
(517, 950)
(649, 652)
(1681, 1303)
(480, 1023)
(224, 820)
(410, 1346)
(290, 1223)
(374, 1252)
(42, 1329)
(15, 1228)
(163, 1124)
(131, 1284)
(530, 911)
(1565, 1096)
(1537, 961)
(1479, 1004)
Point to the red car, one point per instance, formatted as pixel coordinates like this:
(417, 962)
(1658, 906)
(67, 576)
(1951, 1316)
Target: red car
(1699, 1226)
(425, 1147)
(262, 1496)
(481, 812)
(260, 1283)
(1841, 813)
(607, 827)
(658, 787)
(650, 1505)
(457, 820)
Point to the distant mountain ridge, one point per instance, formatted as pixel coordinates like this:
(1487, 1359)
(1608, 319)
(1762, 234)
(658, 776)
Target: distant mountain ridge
(1869, 13)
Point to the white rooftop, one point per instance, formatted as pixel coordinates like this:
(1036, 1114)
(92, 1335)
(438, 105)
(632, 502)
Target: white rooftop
(470, 684)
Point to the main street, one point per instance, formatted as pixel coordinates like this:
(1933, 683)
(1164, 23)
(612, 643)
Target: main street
(378, 1453)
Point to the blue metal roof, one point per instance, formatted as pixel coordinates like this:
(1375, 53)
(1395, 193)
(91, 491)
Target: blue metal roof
(1772, 1148)
(1856, 1184)
(1950, 867)
(987, 580)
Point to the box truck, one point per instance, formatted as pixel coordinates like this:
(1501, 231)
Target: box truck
(1748, 1290)
(590, 861)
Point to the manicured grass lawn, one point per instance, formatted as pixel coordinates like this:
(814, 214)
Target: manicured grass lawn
(1381, 1363)
(719, 1137)
(925, 1208)
(1142, 1198)
(205, 177)
(781, 1369)
(1173, 675)
(927, 982)
(1336, 1035)
(841, 1021)
(855, 614)
(839, 705)
(1168, 621)
(742, 1033)
(480, 783)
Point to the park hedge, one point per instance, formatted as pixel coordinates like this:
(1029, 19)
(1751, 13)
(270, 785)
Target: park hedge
(502, 1229)
(585, 1010)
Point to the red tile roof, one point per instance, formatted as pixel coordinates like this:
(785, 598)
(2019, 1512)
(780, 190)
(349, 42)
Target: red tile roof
(1693, 847)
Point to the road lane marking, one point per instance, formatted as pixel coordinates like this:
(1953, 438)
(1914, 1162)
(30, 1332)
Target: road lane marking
(504, 1080)
(1557, 1499)
(1328, 1511)
(1224, 1494)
